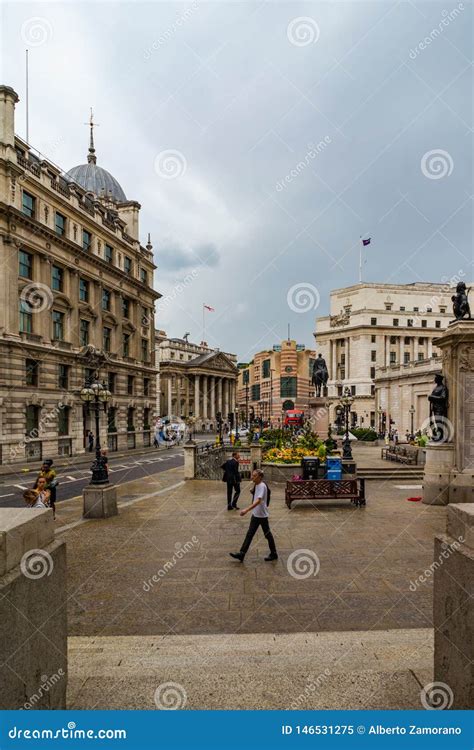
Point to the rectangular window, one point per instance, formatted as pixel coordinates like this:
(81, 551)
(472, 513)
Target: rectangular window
(353, 390)
(266, 368)
(388, 305)
(106, 339)
(373, 356)
(126, 345)
(429, 309)
(106, 295)
(127, 264)
(26, 318)
(28, 204)
(421, 340)
(407, 340)
(130, 383)
(437, 324)
(311, 362)
(410, 322)
(255, 392)
(342, 374)
(343, 358)
(109, 253)
(402, 309)
(112, 381)
(420, 356)
(146, 418)
(130, 419)
(32, 420)
(83, 290)
(406, 357)
(416, 309)
(58, 325)
(86, 240)
(63, 421)
(63, 376)
(396, 322)
(83, 332)
(60, 224)
(126, 307)
(373, 339)
(442, 310)
(393, 339)
(372, 372)
(246, 377)
(25, 264)
(424, 324)
(32, 372)
(143, 276)
(146, 386)
(393, 358)
(57, 277)
(89, 375)
(373, 321)
(146, 317)
(111, 418)
(288, 387)
(144, 350)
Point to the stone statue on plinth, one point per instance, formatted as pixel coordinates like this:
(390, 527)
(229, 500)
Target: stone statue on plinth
(439, 410)
(461, 308)
(320, 375)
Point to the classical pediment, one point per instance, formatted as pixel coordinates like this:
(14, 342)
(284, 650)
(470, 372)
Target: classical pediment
(214, 362)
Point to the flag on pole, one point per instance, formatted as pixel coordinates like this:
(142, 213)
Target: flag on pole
(366, 242)
(211, 309)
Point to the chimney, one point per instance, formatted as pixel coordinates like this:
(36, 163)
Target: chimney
(8, 99)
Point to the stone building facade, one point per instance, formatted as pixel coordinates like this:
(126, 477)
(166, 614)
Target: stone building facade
(77, 297)
(194, 381)
(401, 395)
(373, 326)
(275, 381)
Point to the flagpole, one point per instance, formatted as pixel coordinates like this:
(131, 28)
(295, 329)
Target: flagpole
(203, 323)
(360, 261)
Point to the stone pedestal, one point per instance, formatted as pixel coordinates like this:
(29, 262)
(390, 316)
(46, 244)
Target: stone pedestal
(449, 470)
(100, 501)
(453, 607)
(437, 476)
(190, 455)
(319, 416)
(33, 611)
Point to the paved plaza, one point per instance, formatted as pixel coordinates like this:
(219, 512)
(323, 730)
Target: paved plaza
(154, 596)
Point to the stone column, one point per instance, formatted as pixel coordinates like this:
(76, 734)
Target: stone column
(169, 383)
(197, 412)
(219, 395)
(187, 397)
(178, 395)
(204, 396)
(225, 385)
(213, 397)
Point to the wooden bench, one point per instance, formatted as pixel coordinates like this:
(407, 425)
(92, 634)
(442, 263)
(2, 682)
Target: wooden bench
(404, 454)
(326, 489)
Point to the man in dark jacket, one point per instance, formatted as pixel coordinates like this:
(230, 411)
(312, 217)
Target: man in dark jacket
(232, 478)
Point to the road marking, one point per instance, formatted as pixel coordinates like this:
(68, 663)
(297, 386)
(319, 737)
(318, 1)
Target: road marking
(73, 479)
(20, 486)
(9, 495)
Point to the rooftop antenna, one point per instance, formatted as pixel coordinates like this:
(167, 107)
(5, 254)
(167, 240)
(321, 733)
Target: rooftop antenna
(289, 332)
(27, 103)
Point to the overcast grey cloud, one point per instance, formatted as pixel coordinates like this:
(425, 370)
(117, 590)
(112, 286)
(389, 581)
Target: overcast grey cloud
(273, 134)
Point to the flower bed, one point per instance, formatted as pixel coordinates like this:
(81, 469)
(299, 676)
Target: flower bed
(290, 455)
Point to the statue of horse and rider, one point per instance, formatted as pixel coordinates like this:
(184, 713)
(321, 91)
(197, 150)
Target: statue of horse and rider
(320, 375)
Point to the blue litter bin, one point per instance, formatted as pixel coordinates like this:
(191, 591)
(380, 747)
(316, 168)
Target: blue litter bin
(334, 470)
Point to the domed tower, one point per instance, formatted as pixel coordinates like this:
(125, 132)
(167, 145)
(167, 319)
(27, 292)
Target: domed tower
(96, 179)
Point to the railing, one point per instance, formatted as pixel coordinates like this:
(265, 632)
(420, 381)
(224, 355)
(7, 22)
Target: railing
(60, 189)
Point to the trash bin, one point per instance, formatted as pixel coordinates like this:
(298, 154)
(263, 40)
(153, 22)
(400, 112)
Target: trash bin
(334, 465)
(310, 467)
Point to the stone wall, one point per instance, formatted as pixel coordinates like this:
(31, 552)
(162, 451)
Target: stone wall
(33, 619)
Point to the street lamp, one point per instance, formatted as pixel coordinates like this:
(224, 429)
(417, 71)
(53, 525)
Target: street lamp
(412, 416)
(96, 395)
(343, 409)
(380, 413)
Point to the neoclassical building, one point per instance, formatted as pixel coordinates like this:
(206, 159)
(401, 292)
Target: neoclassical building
(76, 297)
(372, 326)
(194, 381)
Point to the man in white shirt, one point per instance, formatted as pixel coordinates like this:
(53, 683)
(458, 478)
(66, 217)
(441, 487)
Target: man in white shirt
(259, 517)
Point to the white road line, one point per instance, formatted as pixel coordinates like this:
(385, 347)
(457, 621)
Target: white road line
(9, 495)
(20, 486)
(73, 479)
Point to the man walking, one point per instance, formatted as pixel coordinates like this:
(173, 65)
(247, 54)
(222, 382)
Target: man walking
(232, 478)
(259, 517)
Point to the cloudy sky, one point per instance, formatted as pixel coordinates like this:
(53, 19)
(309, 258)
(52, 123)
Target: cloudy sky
(262, 139)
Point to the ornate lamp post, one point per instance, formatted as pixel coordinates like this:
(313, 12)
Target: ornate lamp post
(96, 395)
(412, 416)
(344, 410)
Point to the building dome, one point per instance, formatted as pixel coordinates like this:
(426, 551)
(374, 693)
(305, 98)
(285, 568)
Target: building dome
(96, 179)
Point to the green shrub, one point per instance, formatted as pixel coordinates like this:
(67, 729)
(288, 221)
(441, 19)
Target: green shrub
(364, 433)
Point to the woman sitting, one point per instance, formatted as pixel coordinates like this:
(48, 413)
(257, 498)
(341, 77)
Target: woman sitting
(39, 497)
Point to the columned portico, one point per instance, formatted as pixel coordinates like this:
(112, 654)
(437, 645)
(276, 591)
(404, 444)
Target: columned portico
(197, 412)
(219, 395)
(169, 382)
(226, 397)
(204, 396)
(213, 397)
